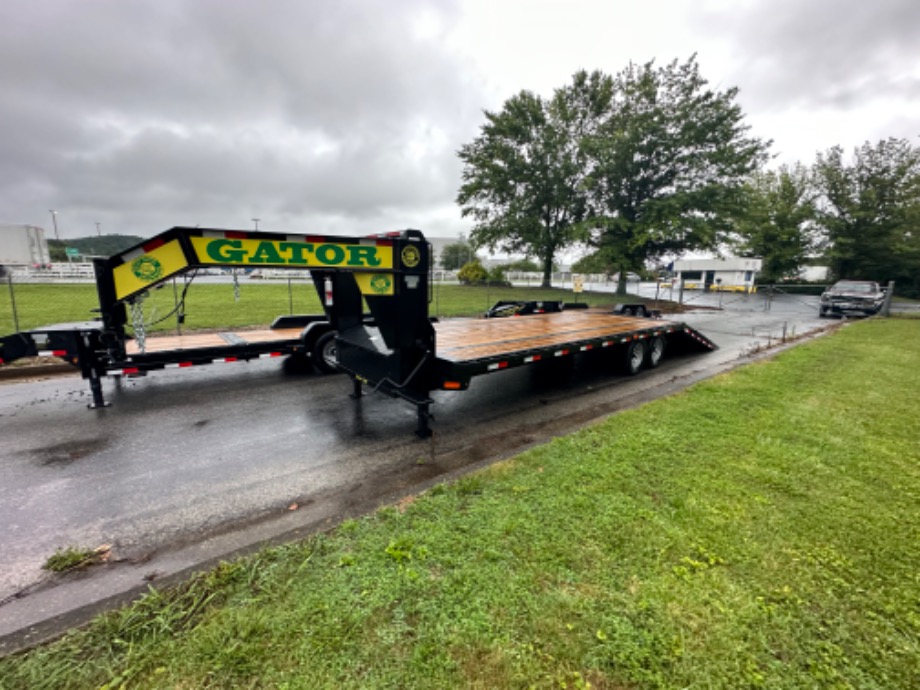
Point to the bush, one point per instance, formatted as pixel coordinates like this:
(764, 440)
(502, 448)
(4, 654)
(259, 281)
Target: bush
(473, 273)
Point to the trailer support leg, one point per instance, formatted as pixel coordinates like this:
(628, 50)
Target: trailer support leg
(356, 391)
(95, 385)
(424, 416)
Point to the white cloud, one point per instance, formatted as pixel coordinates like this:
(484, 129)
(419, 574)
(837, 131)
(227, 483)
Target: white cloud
(346, 117)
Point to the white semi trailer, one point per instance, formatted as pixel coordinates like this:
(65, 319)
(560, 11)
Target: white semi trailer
(23, 245)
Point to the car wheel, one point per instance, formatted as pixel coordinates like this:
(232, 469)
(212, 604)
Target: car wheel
(324, 353)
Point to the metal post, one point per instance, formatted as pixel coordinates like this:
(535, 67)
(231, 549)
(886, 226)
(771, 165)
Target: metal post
(290, 298)
(175, 306)
(9, 279)
(886, 305)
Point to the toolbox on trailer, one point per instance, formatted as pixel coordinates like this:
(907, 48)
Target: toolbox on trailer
(376, 327)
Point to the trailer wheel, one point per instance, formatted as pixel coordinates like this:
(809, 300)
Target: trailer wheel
(324, 358)
(655, 351)
(635, 357)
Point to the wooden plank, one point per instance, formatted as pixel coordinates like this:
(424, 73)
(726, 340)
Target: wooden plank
(468, 340)
(194, 341)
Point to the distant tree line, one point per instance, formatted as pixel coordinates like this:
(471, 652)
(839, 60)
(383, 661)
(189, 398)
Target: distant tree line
(653, 163)
(97, 245)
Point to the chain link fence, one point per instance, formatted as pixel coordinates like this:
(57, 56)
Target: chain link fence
(202, 300)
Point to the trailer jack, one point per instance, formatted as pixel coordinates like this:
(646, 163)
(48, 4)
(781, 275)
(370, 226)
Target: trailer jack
(423, 430)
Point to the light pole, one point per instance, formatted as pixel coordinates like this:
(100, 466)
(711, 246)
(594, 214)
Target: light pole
(256, 221)
(98, 231)
(54, 220)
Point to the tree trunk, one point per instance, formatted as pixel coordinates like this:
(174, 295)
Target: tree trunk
(621, 282)
(547, 271)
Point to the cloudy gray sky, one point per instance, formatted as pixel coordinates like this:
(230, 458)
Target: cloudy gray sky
(345, 117)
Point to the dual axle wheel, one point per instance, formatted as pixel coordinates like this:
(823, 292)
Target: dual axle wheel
(644, 353)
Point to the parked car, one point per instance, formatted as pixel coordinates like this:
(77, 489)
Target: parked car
(852, 297)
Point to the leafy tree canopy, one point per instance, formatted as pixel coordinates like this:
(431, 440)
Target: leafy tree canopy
(454, 255)
(778, 222)
(870, 211)
(523, 176)
(668, 165)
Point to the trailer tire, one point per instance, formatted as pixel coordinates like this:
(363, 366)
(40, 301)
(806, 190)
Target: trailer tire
(323, 353)
(656, 348)
(635, 357)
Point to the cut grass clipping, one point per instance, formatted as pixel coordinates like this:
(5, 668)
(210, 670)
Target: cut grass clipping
(758, 530)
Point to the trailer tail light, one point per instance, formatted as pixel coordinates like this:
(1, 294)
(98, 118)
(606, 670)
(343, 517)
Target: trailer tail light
(452, 385)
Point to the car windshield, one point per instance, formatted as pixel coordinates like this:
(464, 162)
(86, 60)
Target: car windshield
(854, 287)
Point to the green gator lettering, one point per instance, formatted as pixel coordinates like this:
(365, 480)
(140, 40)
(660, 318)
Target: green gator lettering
(297, 250)
(363, 255)
(330, 254)
(276, 253)
(226, 251)
(266, 253)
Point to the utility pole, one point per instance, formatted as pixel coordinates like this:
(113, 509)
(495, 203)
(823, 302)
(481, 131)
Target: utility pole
(54, 220)
(256, 221)
(98, 231)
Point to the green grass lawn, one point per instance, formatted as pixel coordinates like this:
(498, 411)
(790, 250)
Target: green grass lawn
(214, 305)
(761, 529)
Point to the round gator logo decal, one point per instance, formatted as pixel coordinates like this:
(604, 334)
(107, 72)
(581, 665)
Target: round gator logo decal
(410, 256)
(147, 268)
(380, 284)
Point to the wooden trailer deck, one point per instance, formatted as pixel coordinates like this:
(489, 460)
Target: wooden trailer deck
(469, 340)
(197, 341)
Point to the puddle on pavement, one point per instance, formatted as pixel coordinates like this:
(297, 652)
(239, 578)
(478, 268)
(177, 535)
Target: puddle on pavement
(63, 454)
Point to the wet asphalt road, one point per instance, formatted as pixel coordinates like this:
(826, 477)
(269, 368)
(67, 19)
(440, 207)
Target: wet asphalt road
(190, 465)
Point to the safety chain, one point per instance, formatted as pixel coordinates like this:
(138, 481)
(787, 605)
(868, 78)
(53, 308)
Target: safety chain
(137, 321)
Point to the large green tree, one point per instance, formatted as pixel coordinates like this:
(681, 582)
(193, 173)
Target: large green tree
(668, 165)
(870, 211)
(778, 222)
(523, 176)
(456, 254)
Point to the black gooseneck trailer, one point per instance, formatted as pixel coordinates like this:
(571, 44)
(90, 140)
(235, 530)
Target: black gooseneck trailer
(376, 327)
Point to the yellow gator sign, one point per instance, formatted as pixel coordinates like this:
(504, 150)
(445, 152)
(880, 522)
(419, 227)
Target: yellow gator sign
(269, 253)
(141, 271)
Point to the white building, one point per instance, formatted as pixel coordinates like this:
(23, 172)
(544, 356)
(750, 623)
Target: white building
(735, 275)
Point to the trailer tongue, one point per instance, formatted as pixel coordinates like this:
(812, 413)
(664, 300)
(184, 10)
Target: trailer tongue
(375, 293)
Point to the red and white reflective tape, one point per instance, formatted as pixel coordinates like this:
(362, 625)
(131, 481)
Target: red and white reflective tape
(560, 353)
(498, 365)
(127, 371)
(266, 355)
(52, 353)
(532, 358)
(223, 360)
(585, 348)
(178, 365)
(607, 343)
